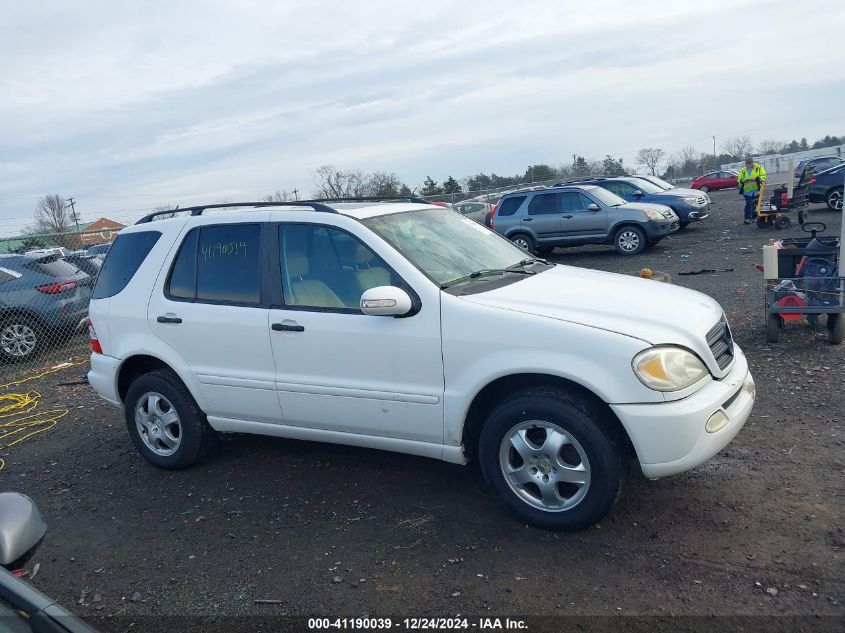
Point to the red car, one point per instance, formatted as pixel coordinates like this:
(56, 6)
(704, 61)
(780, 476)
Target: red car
(716, 180)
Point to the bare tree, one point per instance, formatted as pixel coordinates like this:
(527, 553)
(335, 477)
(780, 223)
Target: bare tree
(282, 195)
(650, 158)
(738, 147)
(53, 216)
(336, 183)
(382, 183)
(770, 147)
(165, 210)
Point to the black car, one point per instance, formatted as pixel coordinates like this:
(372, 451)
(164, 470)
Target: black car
(89, 264)
(827, 187)
(818, 163)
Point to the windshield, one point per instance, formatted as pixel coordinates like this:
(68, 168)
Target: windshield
(646, 186)
(607, 198)
(444, 245)
(661, 183)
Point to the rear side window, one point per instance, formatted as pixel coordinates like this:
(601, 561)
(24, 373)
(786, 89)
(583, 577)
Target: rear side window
(542, 204)
(53, 266)
(125, 257)
(510, 205)
(218, 264)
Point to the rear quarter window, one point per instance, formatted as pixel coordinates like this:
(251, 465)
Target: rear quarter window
(510, 205)
(125, 257)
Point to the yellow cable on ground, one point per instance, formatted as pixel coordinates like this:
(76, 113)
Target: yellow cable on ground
(19, 419)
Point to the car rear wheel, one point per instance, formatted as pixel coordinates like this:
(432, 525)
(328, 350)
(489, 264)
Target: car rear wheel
(165, 423)
(834, 199)
(524, 242)
(20, 338)
(629, 240)
(552, 459)
(704, 188)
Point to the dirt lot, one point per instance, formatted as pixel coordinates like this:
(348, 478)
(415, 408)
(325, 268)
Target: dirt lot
(327, 530)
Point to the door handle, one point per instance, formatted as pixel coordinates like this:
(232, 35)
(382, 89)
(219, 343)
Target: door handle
(288, 327)
(566, 217)
(527, 219)
(169, 318)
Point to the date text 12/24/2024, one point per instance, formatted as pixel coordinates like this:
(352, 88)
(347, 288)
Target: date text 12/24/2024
(418, 624)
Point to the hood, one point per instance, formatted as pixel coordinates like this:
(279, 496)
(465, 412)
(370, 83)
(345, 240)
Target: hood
(652, 311)
(649, 206)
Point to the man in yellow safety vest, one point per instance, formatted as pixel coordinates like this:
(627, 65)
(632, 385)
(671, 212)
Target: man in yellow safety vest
(751, 178)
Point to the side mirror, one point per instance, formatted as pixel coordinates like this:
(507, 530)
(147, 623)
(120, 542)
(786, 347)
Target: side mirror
(21, 527)
(593, 207)
(386, 301)
(638, 193)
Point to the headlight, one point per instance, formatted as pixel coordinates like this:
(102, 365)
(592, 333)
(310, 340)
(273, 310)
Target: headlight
(650, 214)
(668, 368)
(691, 200)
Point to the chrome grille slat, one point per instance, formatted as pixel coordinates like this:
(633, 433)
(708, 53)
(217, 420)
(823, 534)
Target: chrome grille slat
(721, 343)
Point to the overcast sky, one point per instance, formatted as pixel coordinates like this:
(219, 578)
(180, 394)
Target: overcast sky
(127, 107)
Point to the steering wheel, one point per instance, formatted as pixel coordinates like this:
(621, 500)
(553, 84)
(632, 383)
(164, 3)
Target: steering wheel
(812, 227)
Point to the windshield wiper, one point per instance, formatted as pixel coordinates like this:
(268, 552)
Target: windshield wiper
(487, 272)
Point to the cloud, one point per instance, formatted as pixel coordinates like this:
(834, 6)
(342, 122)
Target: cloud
(127, 106)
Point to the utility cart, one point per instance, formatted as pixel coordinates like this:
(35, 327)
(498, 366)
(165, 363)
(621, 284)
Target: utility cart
(775, 212)
(807, 283)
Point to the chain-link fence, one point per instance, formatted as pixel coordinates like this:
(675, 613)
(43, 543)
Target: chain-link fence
(45, 288)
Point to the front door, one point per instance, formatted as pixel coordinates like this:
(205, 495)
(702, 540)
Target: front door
(338, 369)
(543, 216)
(210, 311)
(580, 222)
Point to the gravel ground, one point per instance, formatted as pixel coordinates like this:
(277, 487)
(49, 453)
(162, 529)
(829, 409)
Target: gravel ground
(330, 530)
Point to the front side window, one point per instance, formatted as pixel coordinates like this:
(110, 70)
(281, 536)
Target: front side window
(218, 264)
(574, 201)
(444, 245)
(326, 268)
(125, 256)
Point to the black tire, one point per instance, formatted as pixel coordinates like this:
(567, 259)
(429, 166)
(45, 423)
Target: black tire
(782, 222)
(525, 242)
(704, 188)
(17, 332)
(581, 421)
(195, 437)
(833, 199)
(773, 324)
(802, 217)
(835, 328)
(629, 240)
(762, 222)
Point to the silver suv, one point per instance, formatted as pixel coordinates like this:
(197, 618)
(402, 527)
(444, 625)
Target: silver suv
(537, 221)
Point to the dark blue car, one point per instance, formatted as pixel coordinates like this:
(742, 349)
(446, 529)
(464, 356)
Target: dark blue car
(690, 205)
(43, 300)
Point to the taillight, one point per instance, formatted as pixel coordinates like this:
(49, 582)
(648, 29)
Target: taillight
(811, 181)
(493, 214)
(57, 287)
(95, 343)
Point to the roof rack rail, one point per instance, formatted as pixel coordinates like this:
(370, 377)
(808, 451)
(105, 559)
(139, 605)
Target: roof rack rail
(411, 198)
(315, 205)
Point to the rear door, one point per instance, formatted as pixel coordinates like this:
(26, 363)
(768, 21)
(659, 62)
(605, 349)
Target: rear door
(578, 221)
(543, 216)
(214, 312)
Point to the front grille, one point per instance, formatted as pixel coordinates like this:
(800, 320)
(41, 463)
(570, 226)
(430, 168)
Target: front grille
(721, 343)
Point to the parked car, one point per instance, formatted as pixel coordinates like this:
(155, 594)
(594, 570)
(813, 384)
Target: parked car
(99, 249)
(22, 607)
(827, 187)
(474, 210)
(61, 251)
(89, 264)
(716, 180)
(43, 300)
(407, 327)
(538, 221)
(690, 205)
(663, 184)
(818, 163)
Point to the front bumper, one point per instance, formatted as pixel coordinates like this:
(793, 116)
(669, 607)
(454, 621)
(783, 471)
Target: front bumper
(103, 377)
(671, 437)
(657, 229)
(699, 213)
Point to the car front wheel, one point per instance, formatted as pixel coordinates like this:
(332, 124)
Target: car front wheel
(629, 240)
(834, 200)
(704, 188)
(524, 242)
(552, 459)
(165, 423)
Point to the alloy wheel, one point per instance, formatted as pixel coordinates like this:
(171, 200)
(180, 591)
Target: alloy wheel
(545, 466)
(522, 243)
(629, 241)
(18, 340)
(834, 200)
(158, 424)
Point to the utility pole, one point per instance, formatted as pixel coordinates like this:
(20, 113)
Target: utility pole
(75, 219)
(714, 153)
(296, 194)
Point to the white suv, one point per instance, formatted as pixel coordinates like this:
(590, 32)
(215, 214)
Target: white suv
(407, 327)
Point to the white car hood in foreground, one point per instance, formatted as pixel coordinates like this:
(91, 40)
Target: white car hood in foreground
(653, 311)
